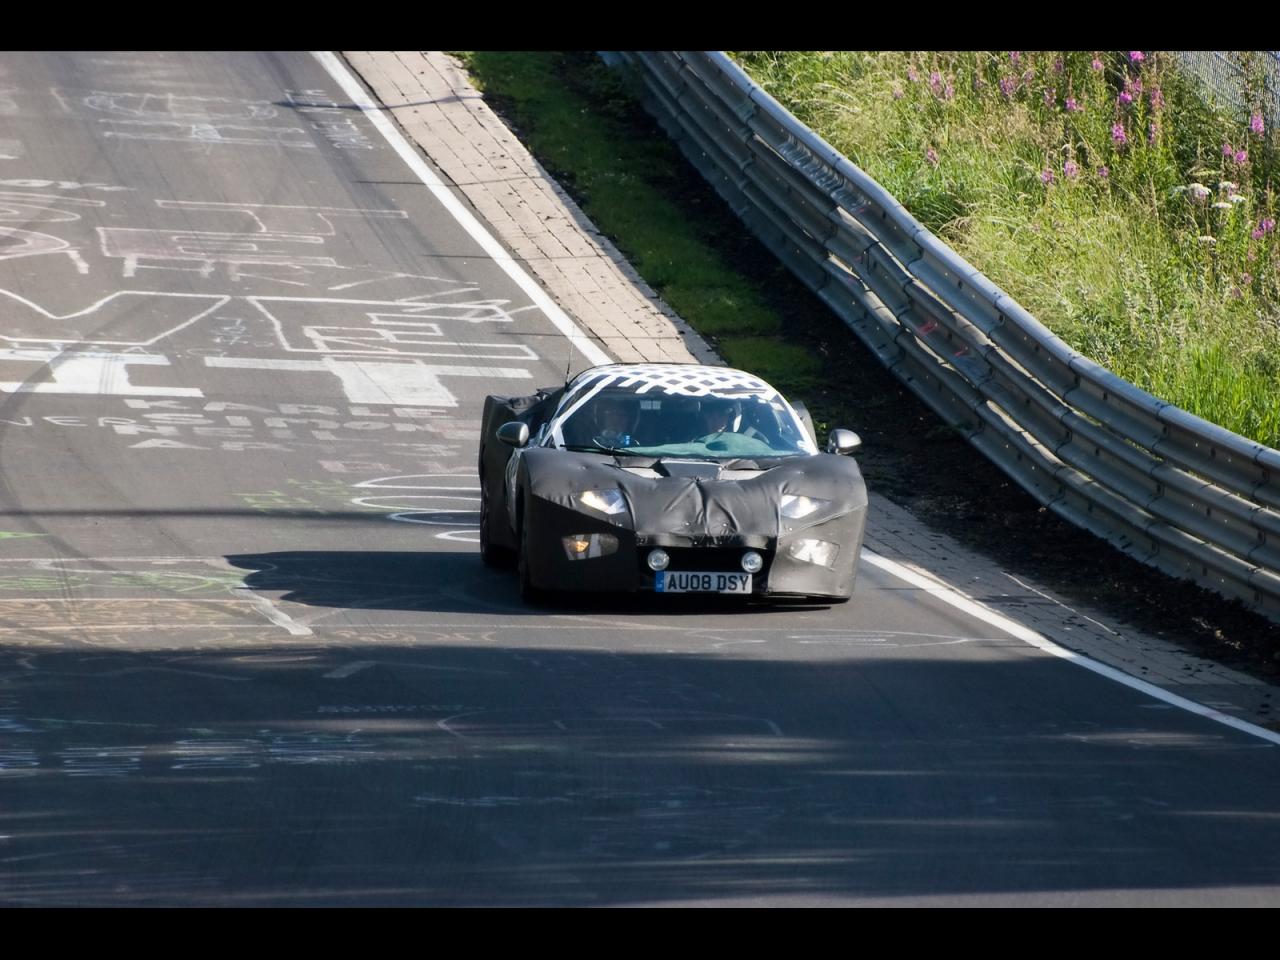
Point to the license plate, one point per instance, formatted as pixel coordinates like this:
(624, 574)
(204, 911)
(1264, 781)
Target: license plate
(683, 581)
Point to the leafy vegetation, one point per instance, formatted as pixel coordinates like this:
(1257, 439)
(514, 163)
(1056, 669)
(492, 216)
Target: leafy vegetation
(1101, 190)
(578, 117)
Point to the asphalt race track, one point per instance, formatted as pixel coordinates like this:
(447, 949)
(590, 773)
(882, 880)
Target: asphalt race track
(249, 654)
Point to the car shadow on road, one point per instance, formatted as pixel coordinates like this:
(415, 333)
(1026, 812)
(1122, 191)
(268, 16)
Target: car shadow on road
(446, 582)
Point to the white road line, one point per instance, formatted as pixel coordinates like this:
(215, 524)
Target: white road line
(343, 672)
(352, 88)
(954, 598)
(272, 612)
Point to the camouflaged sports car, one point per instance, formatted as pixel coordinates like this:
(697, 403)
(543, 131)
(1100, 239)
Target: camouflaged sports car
(668, 478)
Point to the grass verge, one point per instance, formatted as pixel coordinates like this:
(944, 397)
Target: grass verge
(633, 187)
(1101, 190)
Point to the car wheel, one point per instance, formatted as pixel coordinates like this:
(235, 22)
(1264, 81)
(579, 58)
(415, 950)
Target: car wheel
(491, 554)
(528, 592)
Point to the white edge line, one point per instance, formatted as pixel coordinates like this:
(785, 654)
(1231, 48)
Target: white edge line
(273, 613)
(956, 599)
(352, 88)
(341, 673)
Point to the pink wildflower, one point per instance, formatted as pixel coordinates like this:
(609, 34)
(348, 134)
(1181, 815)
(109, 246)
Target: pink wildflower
(1050, 95)
(1255, 124)
(1241, 156)
(1152, 130)
(1103, 173)
(1157, 99)
(1007, 85)
(912, 75)
(935, 81)
(1097, 64)
(932, 156)
(1136, 56)
(1028, 75)
(1057, 65)
(1046, 176)
(1118, 135)
(1015, 57)
(1268, 224)
(1227, 149)
(1070, 169)
(1125, 98)
(1072, 106)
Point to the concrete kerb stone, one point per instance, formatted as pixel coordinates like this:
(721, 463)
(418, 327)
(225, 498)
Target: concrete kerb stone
(430, 95)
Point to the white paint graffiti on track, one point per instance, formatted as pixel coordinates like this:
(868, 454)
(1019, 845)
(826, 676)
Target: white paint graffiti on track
(288, 218)
(148, 312)
(404, 383)
(183, 131)
(491, 247)
(425, 505)
(98, 374)
(280, 235)
(26, 208)
(411, 327)
(949, 595)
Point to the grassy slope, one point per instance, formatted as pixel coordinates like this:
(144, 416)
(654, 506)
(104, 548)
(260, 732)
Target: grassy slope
(1110, 244)
(626, 185)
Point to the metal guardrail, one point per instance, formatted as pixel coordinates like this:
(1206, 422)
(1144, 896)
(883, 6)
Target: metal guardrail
(1175, 491)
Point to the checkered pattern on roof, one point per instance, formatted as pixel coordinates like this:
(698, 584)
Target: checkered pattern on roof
(690, 380)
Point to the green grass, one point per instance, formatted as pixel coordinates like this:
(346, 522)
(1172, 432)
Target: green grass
(623, 182)
(1147, 256)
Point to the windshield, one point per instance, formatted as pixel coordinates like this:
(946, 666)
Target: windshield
(639, 420)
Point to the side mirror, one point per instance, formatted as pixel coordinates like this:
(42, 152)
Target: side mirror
(514, 434)
(843, 442)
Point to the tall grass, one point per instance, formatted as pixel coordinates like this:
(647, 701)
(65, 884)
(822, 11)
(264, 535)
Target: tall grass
(1101, 190)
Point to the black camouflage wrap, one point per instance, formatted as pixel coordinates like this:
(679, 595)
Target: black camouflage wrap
(704, 514)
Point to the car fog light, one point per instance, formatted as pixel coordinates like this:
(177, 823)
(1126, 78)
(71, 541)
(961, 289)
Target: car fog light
(584, 546)
(752, 562)
(658, 559)
(820, 552)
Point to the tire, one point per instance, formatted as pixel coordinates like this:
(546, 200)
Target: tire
(528, 592)
(491, 554)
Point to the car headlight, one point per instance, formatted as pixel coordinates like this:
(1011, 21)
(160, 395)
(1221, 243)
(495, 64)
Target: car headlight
(609, 502)
(795, 507)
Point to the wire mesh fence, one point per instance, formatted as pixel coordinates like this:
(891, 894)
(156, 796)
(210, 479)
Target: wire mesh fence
(1224, 75)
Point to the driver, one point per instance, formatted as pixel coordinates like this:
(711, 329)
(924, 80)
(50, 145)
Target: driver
(615, 419)
(715, 417)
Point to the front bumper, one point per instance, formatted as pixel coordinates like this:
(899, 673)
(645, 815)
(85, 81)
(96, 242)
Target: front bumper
(626, 570)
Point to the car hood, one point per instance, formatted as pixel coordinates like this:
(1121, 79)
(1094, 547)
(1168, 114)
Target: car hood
(701, 498)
